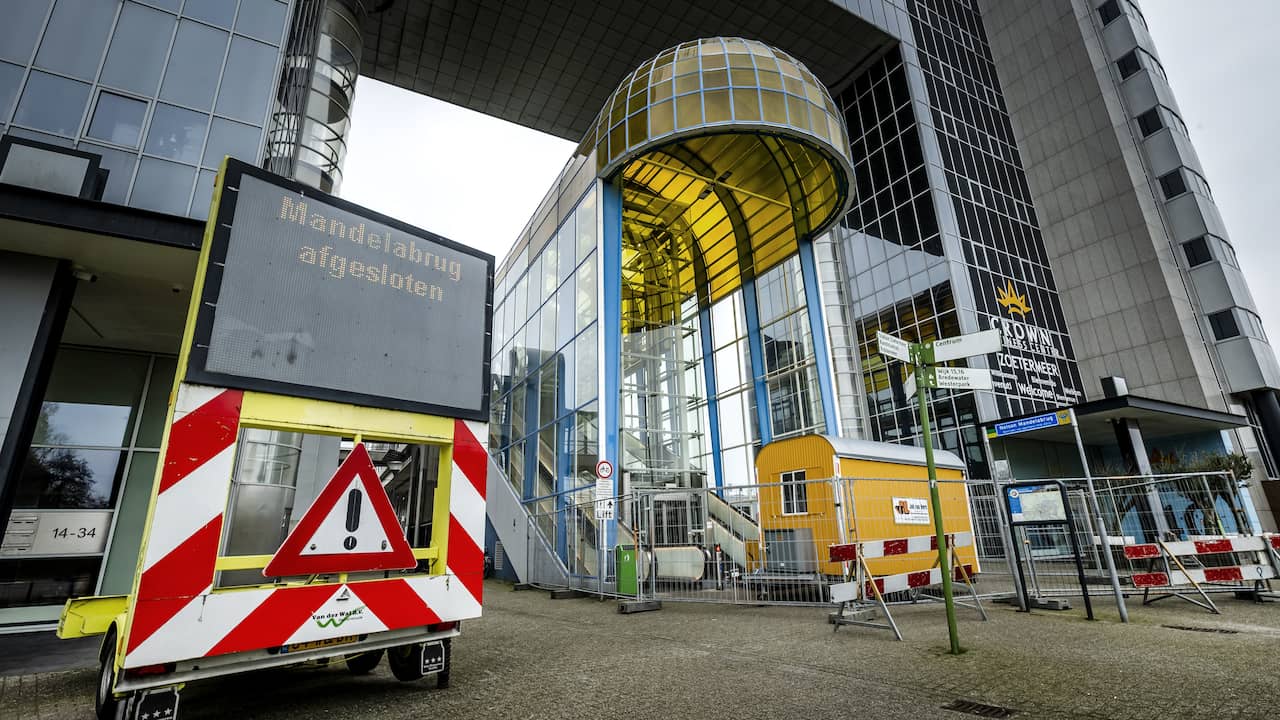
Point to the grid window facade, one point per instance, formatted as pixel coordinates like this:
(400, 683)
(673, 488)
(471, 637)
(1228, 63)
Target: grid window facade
(544, 419)
(900, 280)
(162, 90)
(1003, 250)
(791, 376)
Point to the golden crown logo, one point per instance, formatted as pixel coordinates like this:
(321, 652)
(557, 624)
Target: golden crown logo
(1011, 300)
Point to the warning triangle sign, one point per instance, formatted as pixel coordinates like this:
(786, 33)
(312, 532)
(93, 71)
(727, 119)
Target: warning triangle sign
(350, 527)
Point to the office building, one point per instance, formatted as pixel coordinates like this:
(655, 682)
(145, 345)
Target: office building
(759, 188)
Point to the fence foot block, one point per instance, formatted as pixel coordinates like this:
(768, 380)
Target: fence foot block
(627, 607)
(851, 616)
(1049, 603)
(567, 594)
(522, 586)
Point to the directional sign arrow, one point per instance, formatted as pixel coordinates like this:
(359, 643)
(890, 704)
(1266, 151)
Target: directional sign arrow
(963, 346)
(894, 347)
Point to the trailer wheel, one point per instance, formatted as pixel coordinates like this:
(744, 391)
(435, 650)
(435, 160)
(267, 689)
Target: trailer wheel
(364, 663)
(405, 662)
(104, 699)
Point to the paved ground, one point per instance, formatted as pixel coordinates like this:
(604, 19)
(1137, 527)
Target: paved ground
(533, 657)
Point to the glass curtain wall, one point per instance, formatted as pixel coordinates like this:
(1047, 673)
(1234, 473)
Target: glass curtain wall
(790, 372)
(544, 427)
(901, 277)
(161, 89)
(81, 499)
(663, 407)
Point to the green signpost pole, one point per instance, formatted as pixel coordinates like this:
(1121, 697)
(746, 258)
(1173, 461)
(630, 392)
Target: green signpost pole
(935, 499)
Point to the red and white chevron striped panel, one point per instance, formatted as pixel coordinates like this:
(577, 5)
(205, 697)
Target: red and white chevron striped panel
(466, 505)
(1250, 543)
(907, 581)
(186, 523)
(176, 616)
(1235, 575)
(870, 549)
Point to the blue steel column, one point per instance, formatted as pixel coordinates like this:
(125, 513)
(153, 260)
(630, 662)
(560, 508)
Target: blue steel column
(713, 407)
(564, 464)
(611, 336)
(758, 370)
(531, 395)
(818, 330)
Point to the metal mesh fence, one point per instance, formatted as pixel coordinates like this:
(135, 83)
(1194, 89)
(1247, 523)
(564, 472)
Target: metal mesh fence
(1134, 509)
(769, 543)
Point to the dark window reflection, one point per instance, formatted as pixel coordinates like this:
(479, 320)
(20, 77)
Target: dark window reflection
(67, 478)
(68, 423)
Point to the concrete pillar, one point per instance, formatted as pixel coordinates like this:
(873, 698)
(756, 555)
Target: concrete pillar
(1134, 451)
(35, 293)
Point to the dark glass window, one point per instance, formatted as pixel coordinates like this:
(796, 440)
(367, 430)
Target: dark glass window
(1197, 251)
(1173, 184)
(1224, 325)
(21, 28)
(75, 37)
(192, 74)
(1150, 121)
(10, 79)
(177, 133)
(238, 140)
(214, 12)
(1108, 11)
(163, 186)
(1128, 64)
(117, 119)
(136, 55)
(52, 103)
(247, 80)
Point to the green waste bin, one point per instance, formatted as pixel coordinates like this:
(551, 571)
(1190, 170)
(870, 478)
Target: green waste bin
(624, 557)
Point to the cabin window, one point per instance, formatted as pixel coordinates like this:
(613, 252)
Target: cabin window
(795, 499)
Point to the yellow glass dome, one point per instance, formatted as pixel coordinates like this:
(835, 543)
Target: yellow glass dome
(727, 152)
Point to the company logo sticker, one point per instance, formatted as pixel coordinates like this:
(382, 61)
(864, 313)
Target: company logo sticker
(337, 619)
(1012, 301)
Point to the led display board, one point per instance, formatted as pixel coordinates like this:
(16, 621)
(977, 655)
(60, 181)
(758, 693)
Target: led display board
(311, 296)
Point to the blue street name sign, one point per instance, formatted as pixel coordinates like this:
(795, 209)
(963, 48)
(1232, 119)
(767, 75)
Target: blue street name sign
(1038, 422)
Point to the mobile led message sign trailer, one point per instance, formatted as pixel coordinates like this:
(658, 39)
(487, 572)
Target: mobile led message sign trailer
(307, 295)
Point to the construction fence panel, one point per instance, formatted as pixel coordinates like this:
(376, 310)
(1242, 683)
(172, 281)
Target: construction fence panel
(770, 543)
(1133, 510)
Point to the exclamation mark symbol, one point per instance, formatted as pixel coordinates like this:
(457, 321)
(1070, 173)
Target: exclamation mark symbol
(353, 517)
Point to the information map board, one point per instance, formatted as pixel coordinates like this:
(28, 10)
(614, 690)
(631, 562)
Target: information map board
(307, 295)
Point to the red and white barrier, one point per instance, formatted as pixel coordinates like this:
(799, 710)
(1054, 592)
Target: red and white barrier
(872, 549)
(1236, 575)
(863, 587)
(912, 580)
(1176, 575)
(1250, 543)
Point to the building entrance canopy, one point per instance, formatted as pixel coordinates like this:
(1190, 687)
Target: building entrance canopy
(727, 152)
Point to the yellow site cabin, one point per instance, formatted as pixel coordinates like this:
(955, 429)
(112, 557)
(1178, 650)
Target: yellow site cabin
(883, 494)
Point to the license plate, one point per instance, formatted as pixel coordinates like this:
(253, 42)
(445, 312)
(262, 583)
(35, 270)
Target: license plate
(432, 657)
(316, 644)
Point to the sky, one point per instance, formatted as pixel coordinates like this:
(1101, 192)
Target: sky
(477, 180)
